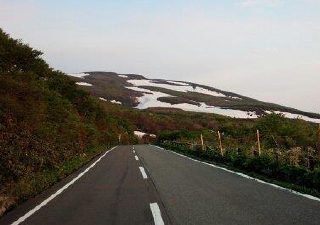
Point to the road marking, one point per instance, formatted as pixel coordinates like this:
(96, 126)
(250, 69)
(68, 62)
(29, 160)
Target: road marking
(143, 172)
(246, 176)
(134, 151)
(156, 213)
(32, 211)
(136, 157)
(133, 147)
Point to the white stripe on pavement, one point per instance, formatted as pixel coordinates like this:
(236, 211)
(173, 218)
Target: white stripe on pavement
(31, 212)
(136, 157)
(143, 172)
(246, 176)
(156, 213)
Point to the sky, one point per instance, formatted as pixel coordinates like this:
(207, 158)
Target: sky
(265, 49)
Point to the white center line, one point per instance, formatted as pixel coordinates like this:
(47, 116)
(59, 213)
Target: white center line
(134, 151)
(136, 157)
(32, 211)
(156, 213)
(143, 172)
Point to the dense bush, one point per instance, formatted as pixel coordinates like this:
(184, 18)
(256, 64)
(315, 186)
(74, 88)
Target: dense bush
(263, 165)
(46, 123)
(286, 147)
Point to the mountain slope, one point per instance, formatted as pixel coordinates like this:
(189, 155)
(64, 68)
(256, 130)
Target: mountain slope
(48, 126)
(143, 93)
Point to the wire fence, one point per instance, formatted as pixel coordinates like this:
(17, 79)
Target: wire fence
(282, 149)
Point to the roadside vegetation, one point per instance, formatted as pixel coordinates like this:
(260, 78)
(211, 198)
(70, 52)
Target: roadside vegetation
(48, 127)
(288, 149)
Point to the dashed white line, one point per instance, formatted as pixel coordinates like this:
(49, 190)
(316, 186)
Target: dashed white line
(31, 212)
(143, 172)
(134, 151)
(156, 213)
(136, 157)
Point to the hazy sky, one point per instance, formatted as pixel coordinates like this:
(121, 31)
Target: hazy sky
(266, 49)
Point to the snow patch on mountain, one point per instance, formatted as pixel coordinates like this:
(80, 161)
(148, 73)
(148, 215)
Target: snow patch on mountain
(115, 102)
(103, 99)
(112, 101)
(182, 87)
(140, 134)
(83, 84)
(150, 99)
(295, 116)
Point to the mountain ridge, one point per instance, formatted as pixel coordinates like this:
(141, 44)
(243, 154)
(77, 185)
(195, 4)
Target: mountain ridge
(138, 91)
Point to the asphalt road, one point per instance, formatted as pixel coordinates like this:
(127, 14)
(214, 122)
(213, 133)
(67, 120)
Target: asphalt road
(149, 185)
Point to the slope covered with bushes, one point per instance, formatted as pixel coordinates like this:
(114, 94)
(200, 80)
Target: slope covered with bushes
(287, 152)
(48, 127)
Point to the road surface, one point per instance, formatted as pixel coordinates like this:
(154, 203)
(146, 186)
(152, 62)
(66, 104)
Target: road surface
(148, 185)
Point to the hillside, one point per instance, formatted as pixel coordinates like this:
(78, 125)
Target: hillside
(140, 92)
(48, 126)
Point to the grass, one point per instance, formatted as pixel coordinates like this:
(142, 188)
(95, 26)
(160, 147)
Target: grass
(281, 183)
(30, 186)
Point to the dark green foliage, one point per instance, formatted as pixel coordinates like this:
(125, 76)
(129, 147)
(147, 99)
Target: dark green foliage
(286, 147)
(261, 165)
(46, 122)
(282, 132)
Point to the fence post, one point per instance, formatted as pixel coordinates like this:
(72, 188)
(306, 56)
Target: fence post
(220, 143)
(258, 138)
(119, 137)
(202, 144)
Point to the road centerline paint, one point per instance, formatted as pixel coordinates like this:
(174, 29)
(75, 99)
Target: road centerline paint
(35, 209)
(143, 172)
(136, 157)
(156, 213)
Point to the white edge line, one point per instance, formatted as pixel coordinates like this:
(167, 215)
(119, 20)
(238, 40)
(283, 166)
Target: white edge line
(246, 176)
(156, 213)
(143, 172)
(35, 209)
(136, 157)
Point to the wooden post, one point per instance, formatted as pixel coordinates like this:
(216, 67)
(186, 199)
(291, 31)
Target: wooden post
(119, 138)
(258, 138)
(220, 143)
(202, 144)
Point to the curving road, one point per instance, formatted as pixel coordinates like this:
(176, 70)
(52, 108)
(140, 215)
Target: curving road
(147, 185)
